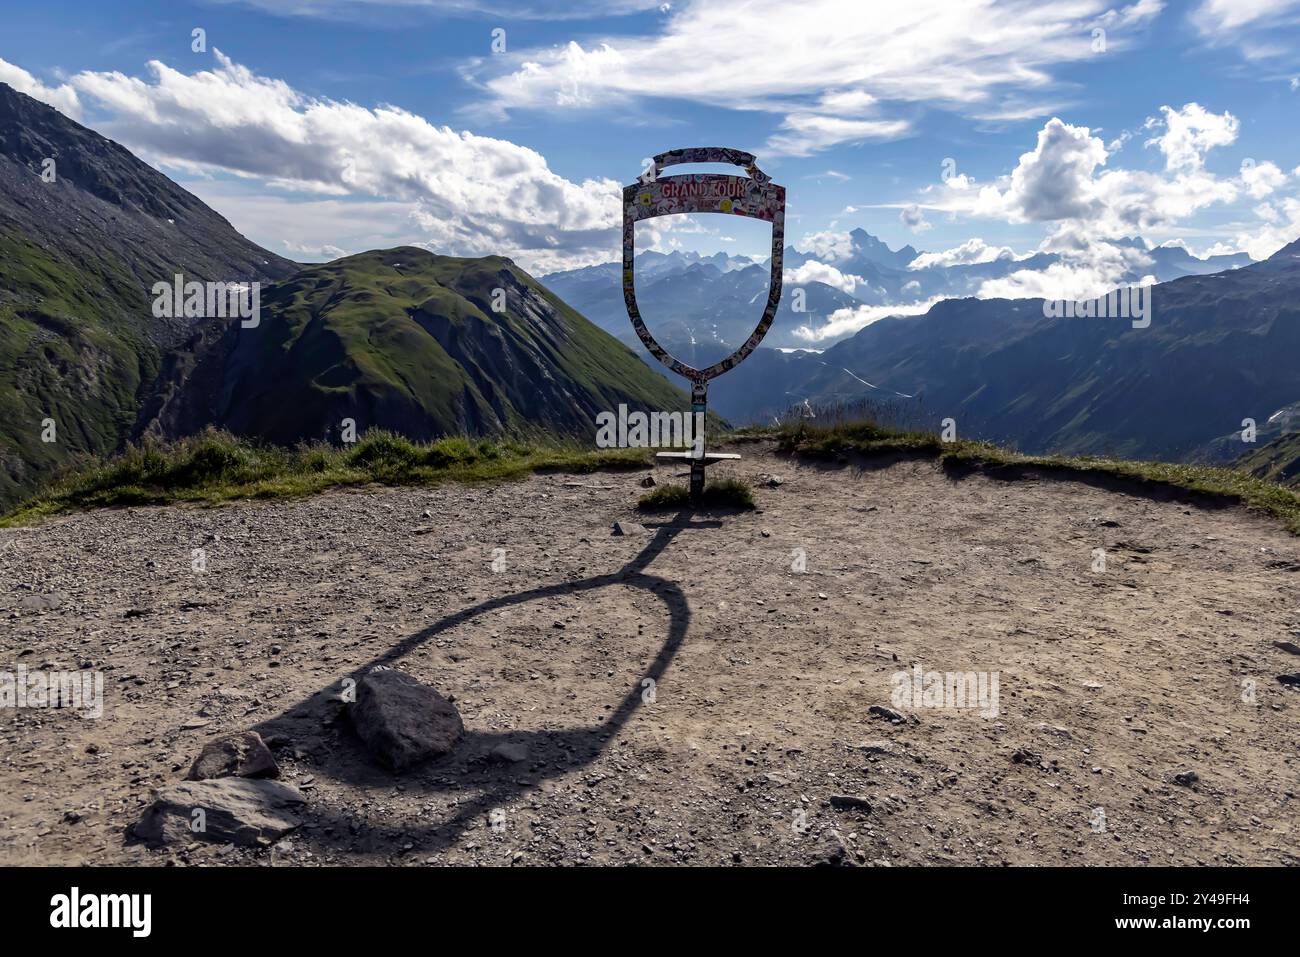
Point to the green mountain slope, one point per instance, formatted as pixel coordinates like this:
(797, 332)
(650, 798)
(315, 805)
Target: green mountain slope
(79, 253)
(406, 340)
(1278, 461)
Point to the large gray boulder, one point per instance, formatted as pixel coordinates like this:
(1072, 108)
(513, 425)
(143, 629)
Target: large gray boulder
(402, 721)
(241, 811)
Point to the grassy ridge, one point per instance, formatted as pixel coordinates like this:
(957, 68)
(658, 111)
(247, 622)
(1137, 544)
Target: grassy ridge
(215, 467)
(839, 441)
(1278, 461)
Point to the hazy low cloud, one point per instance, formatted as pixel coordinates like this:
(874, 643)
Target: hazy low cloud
(845, 322)
(969, 253)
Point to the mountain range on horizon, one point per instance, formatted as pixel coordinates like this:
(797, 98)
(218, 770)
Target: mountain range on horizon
(432, 345)
(689, 298)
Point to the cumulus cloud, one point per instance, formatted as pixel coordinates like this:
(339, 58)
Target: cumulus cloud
(833, 84)
(1062, 180)
(1190, 132)
(1261, 179)
(62, 97)
(465, 194)
(1092, 209)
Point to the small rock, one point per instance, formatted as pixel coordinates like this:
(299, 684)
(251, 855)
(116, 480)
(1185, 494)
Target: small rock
(238, 755)
(849, 802)
(834, 851)
(403, 721)
(889, 714)
(1292, 680)
(775, 480)
(628, 528)
(648, 482)
(1186, 778)
(239, 811)
(1290, 647)
(509, 753)
(40, 603)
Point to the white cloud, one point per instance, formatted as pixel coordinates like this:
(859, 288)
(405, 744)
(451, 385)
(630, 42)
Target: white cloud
(827, 66)
(1281, 228)
(364, 11)
(1092, 271)
(1261, 179)
(845, 322)
(1054, 180)
(803, 134)
(1064, 181)
(1190, 132)
(469, 194)
(969, 253)
(814, 271)
(1214, 18)
(63, 97)
(830, 245)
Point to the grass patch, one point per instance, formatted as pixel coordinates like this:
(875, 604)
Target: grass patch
(839, 441)
(216, 466)
(726, 493)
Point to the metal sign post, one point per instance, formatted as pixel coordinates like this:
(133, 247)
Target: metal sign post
(653, 195)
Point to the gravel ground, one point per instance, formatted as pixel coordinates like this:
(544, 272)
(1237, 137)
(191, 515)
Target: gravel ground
(698, 692)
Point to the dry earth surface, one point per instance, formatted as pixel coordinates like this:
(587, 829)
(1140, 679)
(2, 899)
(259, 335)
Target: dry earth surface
(1111, 682)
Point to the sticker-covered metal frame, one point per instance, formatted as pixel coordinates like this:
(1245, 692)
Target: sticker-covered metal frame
(755, 196)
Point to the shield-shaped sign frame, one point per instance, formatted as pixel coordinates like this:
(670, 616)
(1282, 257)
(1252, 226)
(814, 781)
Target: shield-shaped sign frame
(755, 196)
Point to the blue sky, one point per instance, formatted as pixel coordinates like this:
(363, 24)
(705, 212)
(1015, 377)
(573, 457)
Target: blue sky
(323, 127)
